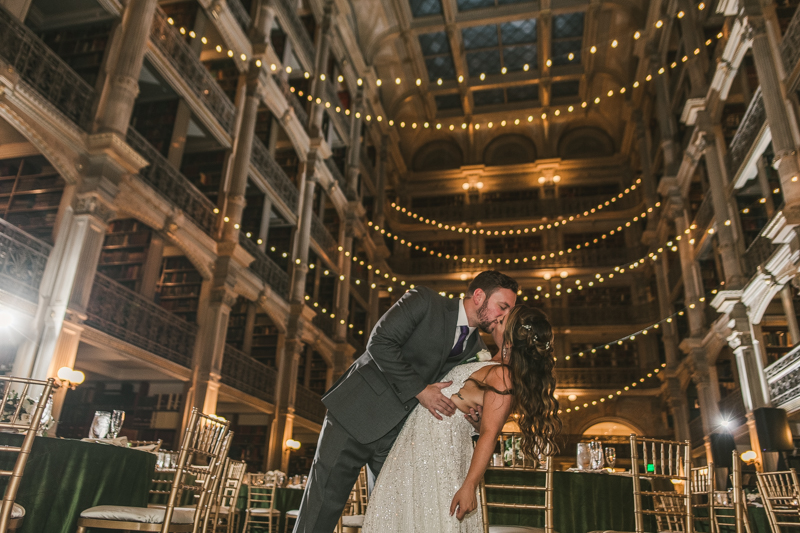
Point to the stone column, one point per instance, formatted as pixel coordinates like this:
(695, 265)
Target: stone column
(354, 151)
(380, 184)
(343, 354)
(285, 391)
(667, 125)
(791, 314)
(263, 18)
(691, 278)
(263, 230)
(302, 238)
(693, 40)
(766, 190)
(122, 85)
(373, 313)
(778, 114)
(320, 67)
(18, 8)
(753, 382)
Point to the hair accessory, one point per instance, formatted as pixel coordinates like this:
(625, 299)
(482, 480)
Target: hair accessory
(527, 326)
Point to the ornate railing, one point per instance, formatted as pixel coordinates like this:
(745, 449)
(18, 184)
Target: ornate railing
(746, 134)
(287, 13)
(601, 315)
(757, 254)
(597, 377)
(584, 258)
(22, 262)
(173, 185)
(308, 404)
(783, 378)
(244, 373)
(704, 216)
(333, 168)
(274, 174)
(130, 317)
(266, 269)
(240, 14)
(333, 98)
(547, 207)
(170, 42)
(322, 236)
(292, 99)
(790, 46)
(325, 323)
(43, 70)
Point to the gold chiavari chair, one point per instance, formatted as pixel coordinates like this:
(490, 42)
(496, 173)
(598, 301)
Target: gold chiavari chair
(204, 443)
(261, 502)
(704, 495)
(13, 417)
(356, 508)
(780, 492)
(519, 464)
(665, 461)
(152, 446)
(726, 510)
(224, 508)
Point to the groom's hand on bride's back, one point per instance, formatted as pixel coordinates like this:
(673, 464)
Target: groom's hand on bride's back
(432, 399)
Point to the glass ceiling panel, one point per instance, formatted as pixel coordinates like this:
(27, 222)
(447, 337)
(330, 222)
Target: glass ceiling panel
(568, 25)
(516, 57)
(524, 93)
(434, 43)
(518, 31)
(440, 67)
(488, 97)
(480, 37)
(423, 8)
(483, 61)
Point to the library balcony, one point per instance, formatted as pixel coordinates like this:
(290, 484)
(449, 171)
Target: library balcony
(597, 378)
(22, 262)
(783, 379)
(328, 246)
(757, 254)
(599, 315)
(289, 20)
(751, 128)
(274, 176)
(266, 269)
(308, 404)
(243, 373)
(336, 174)
(292, 99)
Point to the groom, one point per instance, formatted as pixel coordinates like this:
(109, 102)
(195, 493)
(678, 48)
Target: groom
(412, 346)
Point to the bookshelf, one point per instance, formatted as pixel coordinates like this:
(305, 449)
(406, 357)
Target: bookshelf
(253, 211)
(265, 340)
(776, 342)
(30, 193)
(178, 289)
(317, 372)
(155, 120)
(264, 124)
(237, 324)
(289, 162)
(279, 242)
(183, 13)
(81, 48)
(249, 445)
(226, 74)
(125, 252)
(204, 169)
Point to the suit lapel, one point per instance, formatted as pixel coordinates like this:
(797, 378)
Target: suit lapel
(450, 322)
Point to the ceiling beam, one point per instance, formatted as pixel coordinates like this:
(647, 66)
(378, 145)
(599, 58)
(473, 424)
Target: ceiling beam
(496, 15)
(456, 41)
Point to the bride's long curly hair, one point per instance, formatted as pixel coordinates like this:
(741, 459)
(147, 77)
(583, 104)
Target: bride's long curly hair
(530, 336)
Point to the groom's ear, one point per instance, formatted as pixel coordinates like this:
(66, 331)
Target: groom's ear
(478, 297)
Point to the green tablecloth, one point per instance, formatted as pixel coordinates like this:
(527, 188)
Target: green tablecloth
(285, 500)
(63, 477)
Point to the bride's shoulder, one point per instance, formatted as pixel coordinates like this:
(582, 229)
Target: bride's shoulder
(498, 377)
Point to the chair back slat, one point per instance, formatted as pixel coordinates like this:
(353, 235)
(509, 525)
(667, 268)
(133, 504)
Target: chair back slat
(780, 492)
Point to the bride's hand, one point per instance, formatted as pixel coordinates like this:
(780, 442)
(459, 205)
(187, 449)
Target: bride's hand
(464, 502)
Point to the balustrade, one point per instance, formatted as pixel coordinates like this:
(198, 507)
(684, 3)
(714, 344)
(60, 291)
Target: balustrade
(333, 168)
(704, 216)
(266, 269)
(308, 404)
(325, 323)
(274, 174)
(332, 97)
(588, 258)
(783, 379)
(746, 134)
(22, 262)
(790, 46)
(292, 99)
(589, 315)
(244, 373)
(173, 185)
(130, 317)
(44, 71)
(287, 14)
(605, 378)
(171, 43)
(757, 254)
(240, 14)
(323, 238)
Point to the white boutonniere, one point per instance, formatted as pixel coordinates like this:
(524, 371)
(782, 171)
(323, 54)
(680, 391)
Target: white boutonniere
(481, 356)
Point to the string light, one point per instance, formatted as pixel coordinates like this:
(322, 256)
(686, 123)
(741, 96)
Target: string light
(602, 399)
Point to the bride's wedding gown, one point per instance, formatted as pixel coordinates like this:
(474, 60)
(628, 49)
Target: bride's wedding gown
(424, 470)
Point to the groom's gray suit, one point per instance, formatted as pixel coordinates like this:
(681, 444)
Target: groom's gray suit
(407, 350)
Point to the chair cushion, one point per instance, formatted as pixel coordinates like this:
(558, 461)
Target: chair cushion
(294, 513)
(17, 511)
(144, 515)
(353, 520)
(264, 511)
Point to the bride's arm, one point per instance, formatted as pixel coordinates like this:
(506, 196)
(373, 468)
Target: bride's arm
(496, 408)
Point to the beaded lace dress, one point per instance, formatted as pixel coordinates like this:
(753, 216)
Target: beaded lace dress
(424, 470)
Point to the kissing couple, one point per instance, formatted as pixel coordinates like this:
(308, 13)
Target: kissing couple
(393, 410)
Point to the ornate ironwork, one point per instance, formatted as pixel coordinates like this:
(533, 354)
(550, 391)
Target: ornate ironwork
(783, 377)
(757, 254)
(333, 168)
(130, 317)
(584, 258)
(790, 46)
(333, 98)
(170, 42)
(244, 373)
(292, 99)
(597, 377)
(326, 324)
(266, 269)
(323, 238)
(274, 174)
(42, 69)
(240, 14)
(746, 134)
(704, 216)
(287, 13)
(22, 262)
(308, 404)
(173, 185)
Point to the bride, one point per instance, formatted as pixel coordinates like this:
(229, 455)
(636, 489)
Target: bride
(429, 482)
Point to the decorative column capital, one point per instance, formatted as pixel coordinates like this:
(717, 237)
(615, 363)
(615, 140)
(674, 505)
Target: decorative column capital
(95, 205)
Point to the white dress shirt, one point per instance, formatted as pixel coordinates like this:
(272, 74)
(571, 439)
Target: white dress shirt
(462, 321)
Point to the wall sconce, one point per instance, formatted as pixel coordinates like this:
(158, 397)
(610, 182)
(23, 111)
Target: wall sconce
(469, 187)
(749, 457)
(70, 378)
(547, 276)
(556, 178)
(564, 274)
(292, 444)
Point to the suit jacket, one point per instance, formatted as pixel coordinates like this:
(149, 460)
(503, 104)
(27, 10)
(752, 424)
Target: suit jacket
(407, 350)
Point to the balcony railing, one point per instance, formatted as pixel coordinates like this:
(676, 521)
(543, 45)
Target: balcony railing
(580, 378)
(43, 70)
(308, 404)
(746, 134)
(274, 174)
(783, 378)
(333, 98)
(757, 254)
(173, 185)
(581, 259)
(287, 14)
(705, 214)
(545, 207)
(790, 46)
(589, 315)
(22, 262)
(240, 14)
(292, 99)
(333, 168)
(325, 323)
(130, 317)
(244, 373)
(266, 269)
(323, 237)
(170, 42)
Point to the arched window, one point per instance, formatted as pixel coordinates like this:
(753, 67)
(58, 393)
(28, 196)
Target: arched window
(607, 429)
(583, 143)
(438, 155)
(509, 149)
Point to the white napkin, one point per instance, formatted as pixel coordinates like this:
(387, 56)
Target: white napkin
(119, 441)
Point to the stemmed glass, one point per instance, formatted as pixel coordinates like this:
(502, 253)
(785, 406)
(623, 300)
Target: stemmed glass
(596, 448)
(611, 456)
(117, 418)
(100, 425)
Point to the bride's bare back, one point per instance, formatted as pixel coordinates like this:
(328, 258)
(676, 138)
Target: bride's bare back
(470, 395)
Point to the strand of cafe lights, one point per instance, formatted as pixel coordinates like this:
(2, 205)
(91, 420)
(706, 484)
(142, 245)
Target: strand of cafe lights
(612, 43)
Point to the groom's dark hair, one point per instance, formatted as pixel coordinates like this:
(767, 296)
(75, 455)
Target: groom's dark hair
(489, 281)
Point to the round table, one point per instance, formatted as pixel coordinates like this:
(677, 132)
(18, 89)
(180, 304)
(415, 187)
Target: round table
(63, 477)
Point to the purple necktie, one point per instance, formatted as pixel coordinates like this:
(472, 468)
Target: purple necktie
(459, 346)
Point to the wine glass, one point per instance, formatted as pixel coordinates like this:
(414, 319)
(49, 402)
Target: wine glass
(117, 418)
(100, 425)
(596, 448)
(611, 456)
